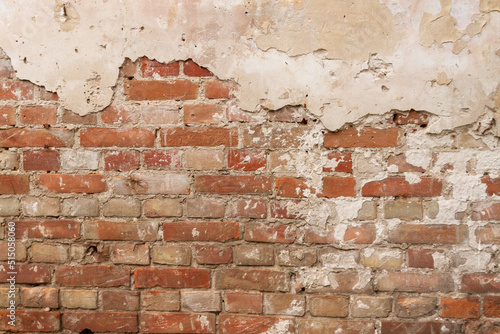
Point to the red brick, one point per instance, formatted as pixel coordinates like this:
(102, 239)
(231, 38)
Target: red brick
(203, 113)
(117, 322)
(194, 70)
(420, 327)
(7, 116)
(253, 324)
(243, 302)
(36, 138)
(216, 89)
(162, 159)
(150, 68)
(334, 186)
(460, 308)
(480, 283)
(38, 115)
(317, 235)
(365, 137)
(283, 209)
(322, 326)
(213, 231)
(486, 211)
(121, 160)
(415, 282)
(31, 321)
(94, 276)
(116, 230)
(264, 233)
(47, 160)
(428, 234)
(248, 208)
(339, 162)
(14, 184)
(246, 160)
(172, 278)
(161, 90)
(492, 306)
(293, 187)
(201, 136)
(412, 117)
(73, 118)
(398, 186)
(492, 185)
(120, 300)
(120, 115)
(178, 323)
(422, 257)
(257, 279)
(70, 183)
(288, 114)
(26, 273)
(360, 235)
(103, 137)
(16, 90)
(403, 166)
(50, 229)
(210, 254)
(233, 184)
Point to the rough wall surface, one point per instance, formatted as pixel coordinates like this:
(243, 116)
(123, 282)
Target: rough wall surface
(174, 211)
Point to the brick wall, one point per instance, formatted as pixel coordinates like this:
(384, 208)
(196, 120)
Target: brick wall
(173, 211)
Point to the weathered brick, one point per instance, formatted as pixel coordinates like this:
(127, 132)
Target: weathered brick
(119, 230)
(243, 302)
(215, 89)
(413, 307)
(19, 253)
(247, 208)
(254, 255)
(171, 255)
(334, 186)
(160, 90)
(365, 137)
(7, 116)
(86, 299)
(121, 160)
(51, 229)
(160, 115)
(317, 235)
(167, 207)
(38, 115)
(40, 206)
(412, 117)
(260, 136)
(177, 323)
(488, 234)
(460, 308)
(404, 210)
(422, 257)
(104, 137)
(27, 273)
(428, 234)
(293, 187)
(319, 326)
(9, 207)
(201, 301)
(288, 114)
(80, 160)
(8, 160)
(172, 278)
(51, 253)
(130, 254)
(199, 136)
(118, 322)
(480, 283)
(204, 159)
(70, 183)
(492, 306)
(482, 327)
(415, 282)
(253, 324)
(129, 68)
(339, 162)
(69, 117)
(80, 207)
(329, 306)
(47, 160)
(203, 113)
(36, 137)
(192, 69)
(371, 306)
(120, 115)
(121, 207)
(264, 233)
(210, 254)
(93, 276)
(420, 327)
(165, 184)
(297, 257)
(40, 297)
(205, 208)
(14, 184)
(383, 258)
(162, 159)
(152, 68)
(31, 321)
(120, 300)
(243, 279)
(337, 258)
(160, 300)
(233, 184)
(16, 90)
(398, 186)
(360, 234)
(235, 114)
(402, 165)
(486, 211)
(246, 160)
(213, 231)
(284, 304)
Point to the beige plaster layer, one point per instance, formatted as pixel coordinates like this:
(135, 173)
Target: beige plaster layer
(344, 59)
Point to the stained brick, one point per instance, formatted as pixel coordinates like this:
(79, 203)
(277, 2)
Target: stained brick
(172, 278)
(161, 90)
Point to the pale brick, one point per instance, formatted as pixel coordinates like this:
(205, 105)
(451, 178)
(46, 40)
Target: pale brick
(165, 184)
(204, 159)
(41, 206)
(4, 297)
(9, 207)
(413, 307)
(72, 160)
(86, 299)
(130, 254)
(201, 301)
(161, 301)
(163, 208)
(80, 207)
(8, 160)
(40, 297)
(51, 253)
(205, 208)
(329, 306)
(284, 304)
(371, 306)
(122, 207)
(173, 255)
(382, 258)
(297, 256)
(20, 251)
(254, 255)
(404, 210)
(368, 211)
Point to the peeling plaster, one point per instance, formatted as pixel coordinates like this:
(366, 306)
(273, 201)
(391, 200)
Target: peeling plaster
(343, 59)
